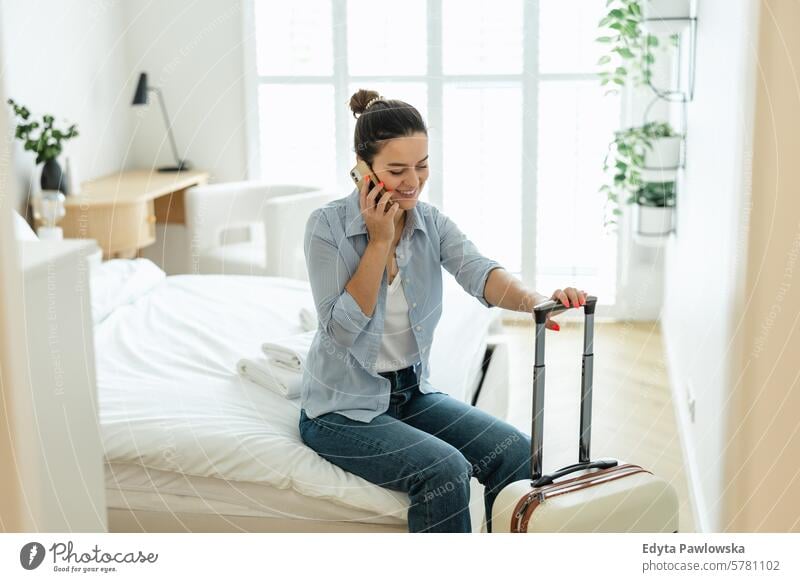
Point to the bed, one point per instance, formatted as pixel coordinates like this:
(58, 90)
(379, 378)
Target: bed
(192, 446)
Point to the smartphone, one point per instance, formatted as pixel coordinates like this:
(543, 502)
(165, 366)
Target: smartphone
(359, 172)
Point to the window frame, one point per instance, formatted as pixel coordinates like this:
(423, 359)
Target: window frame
(528, 80)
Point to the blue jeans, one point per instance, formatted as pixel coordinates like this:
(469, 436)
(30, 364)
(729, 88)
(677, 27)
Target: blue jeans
(427, 445)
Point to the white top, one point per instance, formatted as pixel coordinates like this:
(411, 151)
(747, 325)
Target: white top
(398, 344)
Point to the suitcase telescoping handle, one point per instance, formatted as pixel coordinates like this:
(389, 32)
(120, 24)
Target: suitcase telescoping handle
(541, 312)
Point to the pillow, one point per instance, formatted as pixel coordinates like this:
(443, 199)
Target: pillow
(119, 282)
(22, 229)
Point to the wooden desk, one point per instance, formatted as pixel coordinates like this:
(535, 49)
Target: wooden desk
(120, 210)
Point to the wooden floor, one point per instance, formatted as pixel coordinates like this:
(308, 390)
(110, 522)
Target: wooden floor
(632, 416)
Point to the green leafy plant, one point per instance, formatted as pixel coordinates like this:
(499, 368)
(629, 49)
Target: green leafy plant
(630, 51)
(41, 137)
(656, 194)
(624, 162)
(627, 55)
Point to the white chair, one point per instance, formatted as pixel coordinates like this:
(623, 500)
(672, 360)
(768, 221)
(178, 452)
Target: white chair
(250, 228)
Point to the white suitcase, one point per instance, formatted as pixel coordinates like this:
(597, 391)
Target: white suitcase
(608, 495)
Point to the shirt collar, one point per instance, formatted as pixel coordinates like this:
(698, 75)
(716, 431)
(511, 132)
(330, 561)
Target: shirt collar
(355, 220)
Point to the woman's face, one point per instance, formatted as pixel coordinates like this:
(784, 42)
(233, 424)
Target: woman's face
(402, 166)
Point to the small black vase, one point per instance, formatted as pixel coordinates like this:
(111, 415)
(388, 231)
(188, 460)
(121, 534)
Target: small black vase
(53, 178)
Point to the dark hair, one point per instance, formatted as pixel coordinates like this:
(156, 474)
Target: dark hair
(384, 120)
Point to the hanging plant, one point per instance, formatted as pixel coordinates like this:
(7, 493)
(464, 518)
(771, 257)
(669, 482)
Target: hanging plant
(655, 212)
(656, 194)
(629, 61)
(627, 55)
(625, 162)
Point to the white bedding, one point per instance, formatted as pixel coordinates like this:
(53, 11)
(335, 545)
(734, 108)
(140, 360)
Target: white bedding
(149, 489)
(170, 398)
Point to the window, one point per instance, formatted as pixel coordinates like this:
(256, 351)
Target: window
(575, 123)
(386, 38)
(482, 166)
(518, 123)
(483, 38)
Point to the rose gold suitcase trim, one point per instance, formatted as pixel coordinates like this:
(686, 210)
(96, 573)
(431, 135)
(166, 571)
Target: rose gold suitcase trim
(542, 491)
(528, 503)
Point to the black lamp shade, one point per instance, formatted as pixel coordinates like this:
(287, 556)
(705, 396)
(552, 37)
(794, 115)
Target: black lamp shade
(140, 97)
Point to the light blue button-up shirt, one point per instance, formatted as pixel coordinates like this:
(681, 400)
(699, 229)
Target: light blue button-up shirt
(340, 372)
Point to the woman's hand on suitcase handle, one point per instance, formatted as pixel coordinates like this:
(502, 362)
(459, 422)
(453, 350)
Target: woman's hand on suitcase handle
(570, 297)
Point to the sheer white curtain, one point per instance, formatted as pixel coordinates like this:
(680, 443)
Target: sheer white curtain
(518, 122)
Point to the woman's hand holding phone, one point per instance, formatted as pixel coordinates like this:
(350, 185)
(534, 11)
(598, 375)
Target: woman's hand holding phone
(379, 220)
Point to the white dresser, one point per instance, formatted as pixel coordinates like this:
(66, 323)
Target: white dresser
(66, 485)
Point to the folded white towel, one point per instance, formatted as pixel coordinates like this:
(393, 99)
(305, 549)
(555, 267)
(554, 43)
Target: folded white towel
(308, 319)
(259, 370)
(289, 352)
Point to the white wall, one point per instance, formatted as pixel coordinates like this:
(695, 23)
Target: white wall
(640, 290)
(82, 65)
(193, 52)
(704, 260)
(69, 59)
(80, 61)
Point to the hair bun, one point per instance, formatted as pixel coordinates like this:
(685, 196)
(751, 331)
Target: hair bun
(361, 99)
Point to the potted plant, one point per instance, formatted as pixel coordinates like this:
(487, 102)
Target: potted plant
(655, 210)
(665, 16)
(662, 154)
(642, 161)
(636, 157)
(45, 140)
(627, 56)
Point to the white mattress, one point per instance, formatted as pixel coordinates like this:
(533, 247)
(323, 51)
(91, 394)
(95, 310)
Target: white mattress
(183, 432)
(133, 486)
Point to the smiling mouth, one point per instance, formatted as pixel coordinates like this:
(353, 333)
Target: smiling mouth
(406, 194)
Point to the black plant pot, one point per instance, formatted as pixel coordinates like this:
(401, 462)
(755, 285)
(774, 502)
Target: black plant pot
(53, 177)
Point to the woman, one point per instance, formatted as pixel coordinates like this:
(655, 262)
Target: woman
(375, 272)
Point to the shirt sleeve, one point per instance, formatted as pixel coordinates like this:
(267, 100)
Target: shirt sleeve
(462, 259)
(338, 312)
